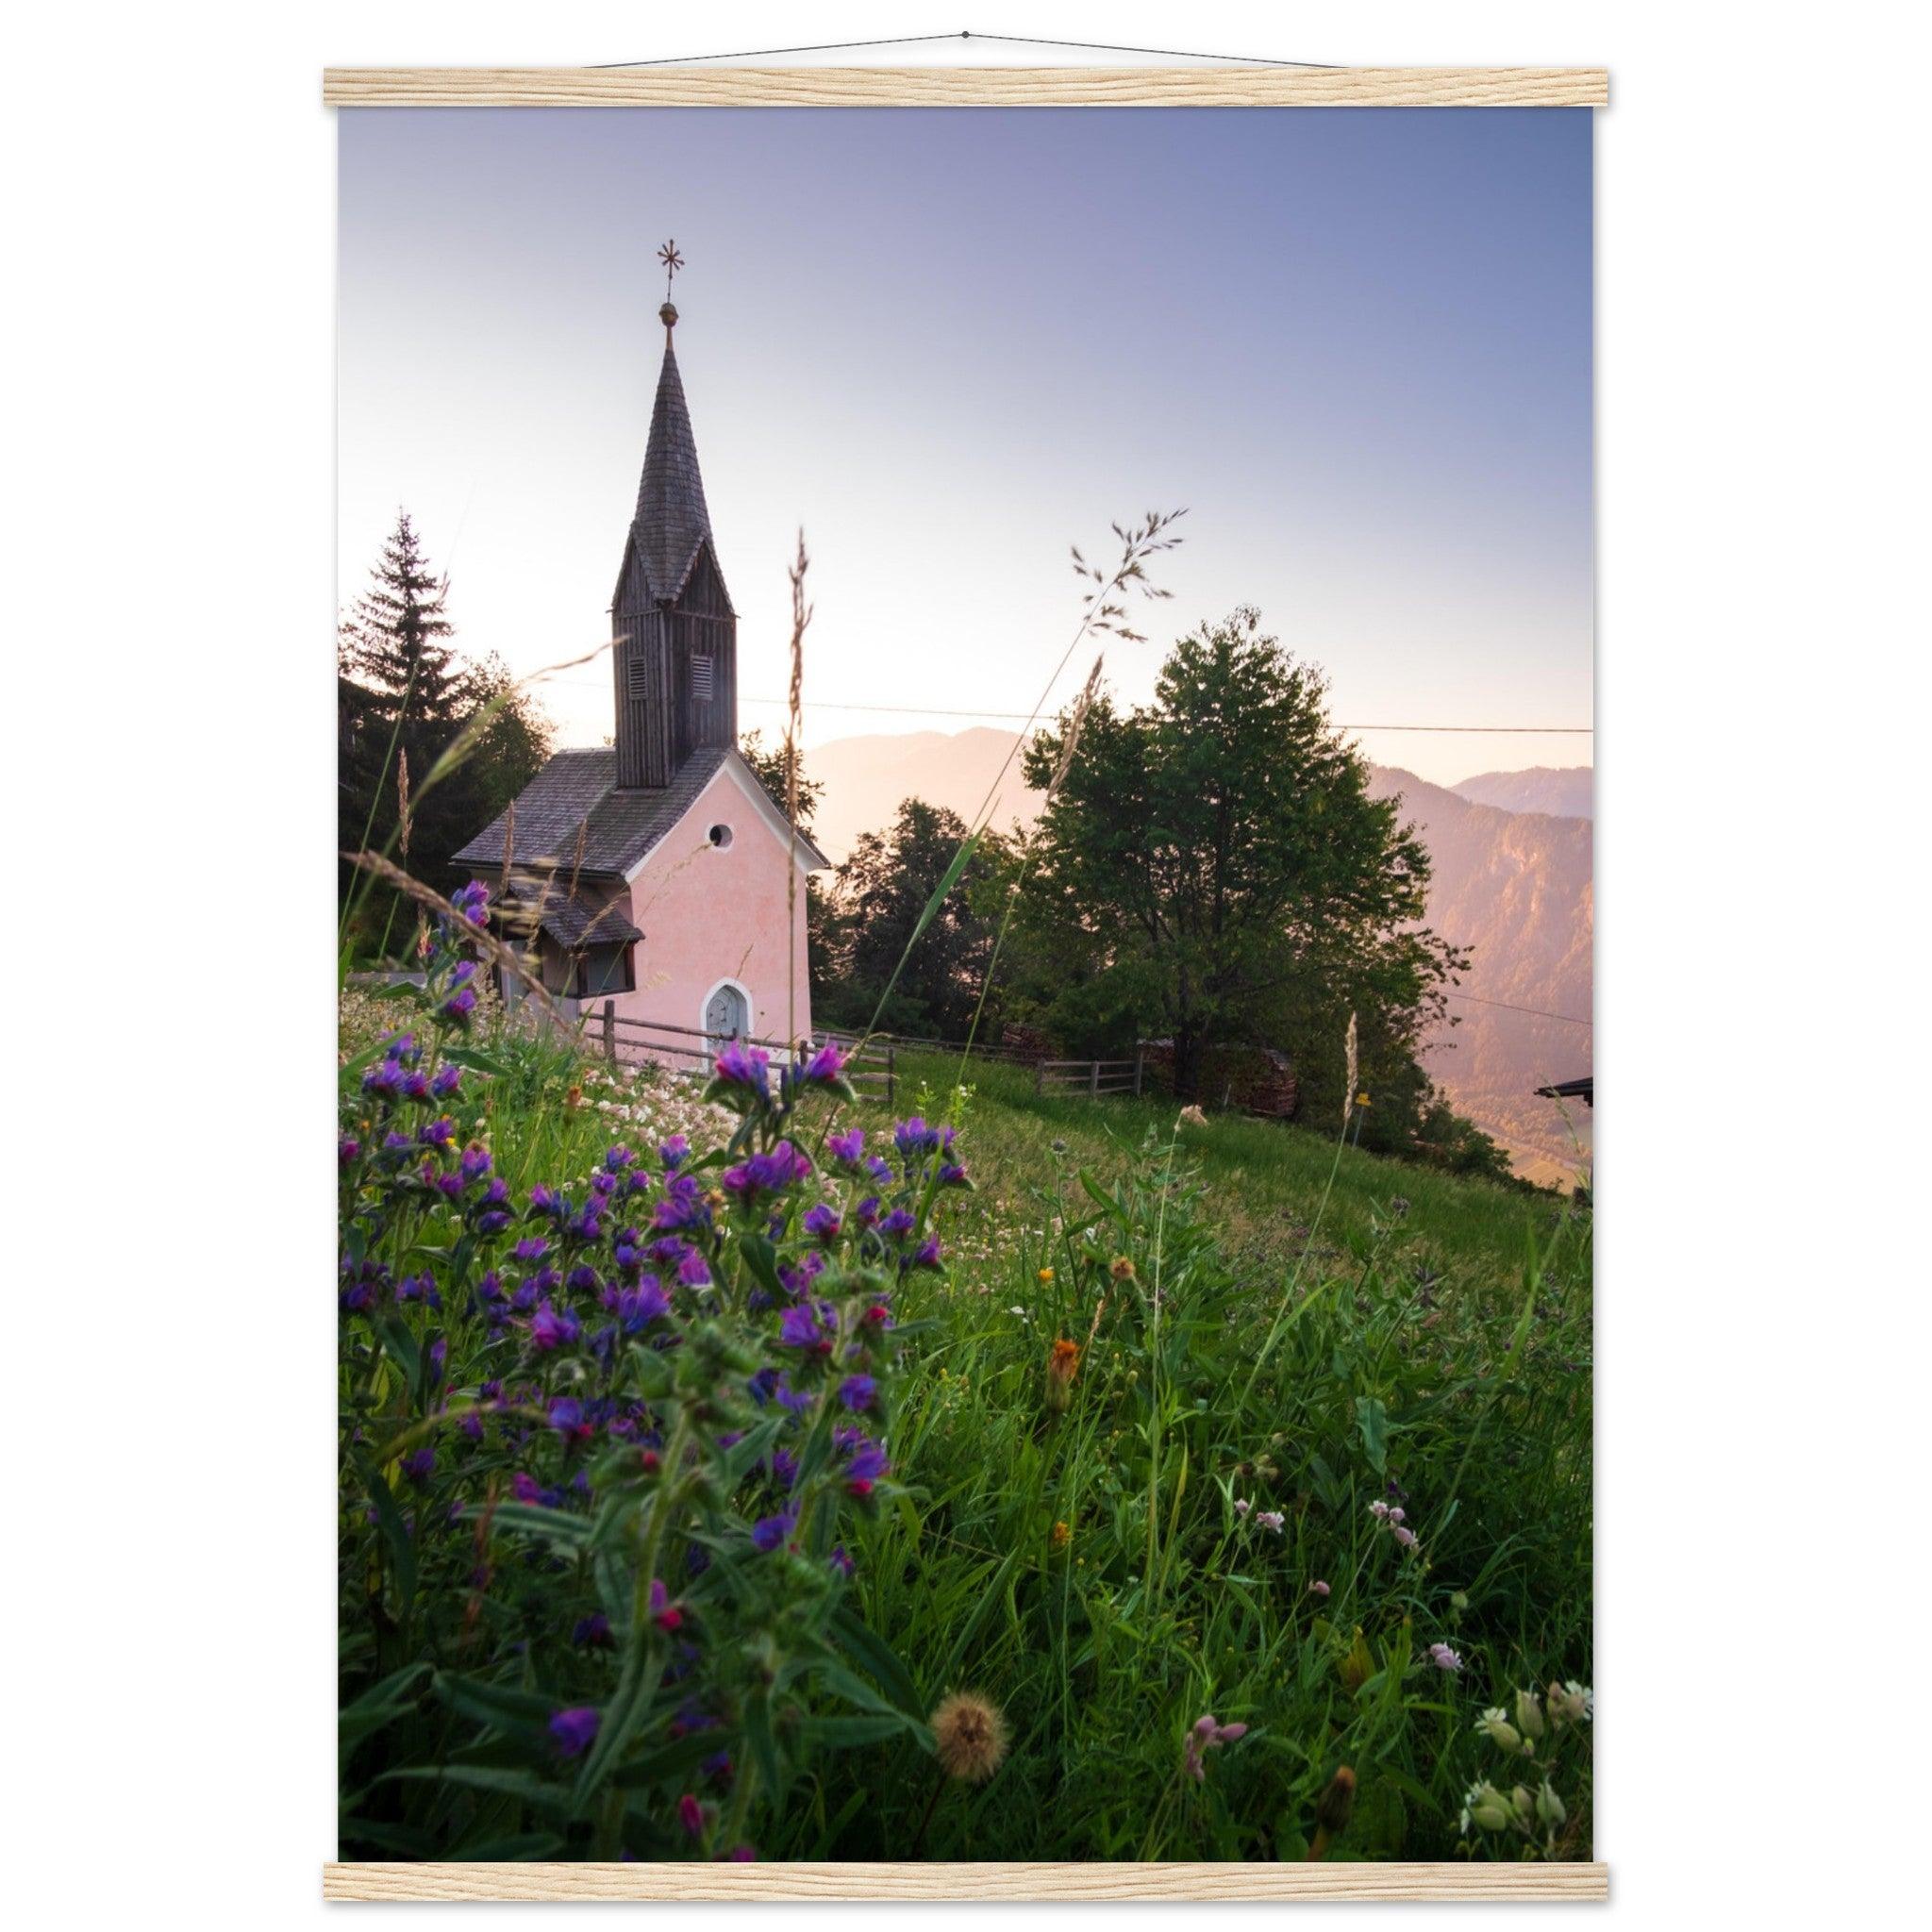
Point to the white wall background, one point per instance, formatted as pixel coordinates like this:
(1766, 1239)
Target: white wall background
(1761, 741)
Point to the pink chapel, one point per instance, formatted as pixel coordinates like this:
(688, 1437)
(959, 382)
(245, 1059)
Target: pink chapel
(653, 873)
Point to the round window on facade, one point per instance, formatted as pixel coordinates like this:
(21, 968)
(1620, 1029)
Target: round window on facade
(720, 837)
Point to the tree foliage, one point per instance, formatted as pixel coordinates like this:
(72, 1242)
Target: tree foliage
(1213, 869)
(866, 921)
(404, 697)
(768, 767)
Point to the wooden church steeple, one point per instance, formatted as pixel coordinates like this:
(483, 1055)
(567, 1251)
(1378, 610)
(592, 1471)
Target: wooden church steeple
(675, 659)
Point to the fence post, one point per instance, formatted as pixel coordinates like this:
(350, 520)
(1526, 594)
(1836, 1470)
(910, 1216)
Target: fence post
(1093, 1081)
(1137, 1069)
(1038, 1078)
(611, 1029)
(891, 1074)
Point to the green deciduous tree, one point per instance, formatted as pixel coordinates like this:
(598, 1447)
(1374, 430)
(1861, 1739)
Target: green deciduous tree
(868, 919)
(1213, 869)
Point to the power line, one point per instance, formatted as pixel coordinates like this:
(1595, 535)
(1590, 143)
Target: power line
(1023, 717)
(1020, 717)
(1538, 1012)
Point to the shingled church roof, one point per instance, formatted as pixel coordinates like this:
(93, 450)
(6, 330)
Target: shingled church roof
(672, 523)
(579, 788)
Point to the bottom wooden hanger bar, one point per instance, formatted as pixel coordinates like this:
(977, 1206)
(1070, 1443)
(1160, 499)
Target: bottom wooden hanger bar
(756, 1884)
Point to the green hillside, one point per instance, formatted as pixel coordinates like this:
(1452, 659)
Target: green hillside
(1247, 1486)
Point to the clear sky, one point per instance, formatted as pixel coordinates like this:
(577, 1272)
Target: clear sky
(1355, 344)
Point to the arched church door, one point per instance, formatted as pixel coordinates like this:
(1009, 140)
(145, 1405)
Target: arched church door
(726, 1017)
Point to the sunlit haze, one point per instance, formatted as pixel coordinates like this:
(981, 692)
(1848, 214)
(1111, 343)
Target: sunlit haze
(1354, 344)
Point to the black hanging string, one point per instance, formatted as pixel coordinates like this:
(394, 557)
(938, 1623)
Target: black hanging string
(921, 40)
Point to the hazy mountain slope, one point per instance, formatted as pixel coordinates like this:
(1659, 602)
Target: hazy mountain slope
(1514, 886)
(1566, 790)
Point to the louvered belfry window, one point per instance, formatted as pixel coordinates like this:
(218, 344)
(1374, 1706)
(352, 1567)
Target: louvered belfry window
(636, 680)
(701, 677)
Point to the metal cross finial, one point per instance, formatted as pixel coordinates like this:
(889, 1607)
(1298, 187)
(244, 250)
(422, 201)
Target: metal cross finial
(673, 262)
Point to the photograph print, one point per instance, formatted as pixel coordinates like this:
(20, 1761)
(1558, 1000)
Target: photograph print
(964, 975)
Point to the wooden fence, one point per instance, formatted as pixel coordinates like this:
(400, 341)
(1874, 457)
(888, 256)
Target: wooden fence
(1061, 1080)
(656, 1043)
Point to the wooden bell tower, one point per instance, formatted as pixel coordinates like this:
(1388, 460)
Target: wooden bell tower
(674, 661)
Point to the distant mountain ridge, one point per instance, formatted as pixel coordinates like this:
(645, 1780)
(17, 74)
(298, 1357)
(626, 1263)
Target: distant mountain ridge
(1512, 882)
(1563, 790)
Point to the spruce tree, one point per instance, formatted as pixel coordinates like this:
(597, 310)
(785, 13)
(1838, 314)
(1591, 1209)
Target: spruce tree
(405, 695)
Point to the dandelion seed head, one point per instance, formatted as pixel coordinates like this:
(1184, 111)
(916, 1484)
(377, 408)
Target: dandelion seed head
(969, 1737)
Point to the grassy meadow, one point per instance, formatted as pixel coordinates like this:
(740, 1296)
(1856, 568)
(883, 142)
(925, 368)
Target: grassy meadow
(1241, 1481)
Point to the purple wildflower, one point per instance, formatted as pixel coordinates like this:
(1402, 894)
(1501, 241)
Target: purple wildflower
(567, 1419)
(573, 1730)
(824, 1068)
(848, 1148)
(769, 1532)
(554, 1329)
(856, 1392)
(745, 1067)
(800, 1328)
(822, 1222)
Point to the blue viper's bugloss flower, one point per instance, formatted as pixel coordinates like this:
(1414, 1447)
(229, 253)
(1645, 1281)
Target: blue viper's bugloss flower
(347, 1147)
(897, 1224)
(858, 1391)
(822, 1221)
(472, 903)
(693, 1270)
(385, 1079)
(848, 1148)
(682, 1204)
(460, 1004)
(639, 1307)
(927, 1254)
(800, 1328)
(437, 1132)
(771, 1173)
(913, 1137)
(675, 1152)
(449, 1076)
(880, 1170)
(567, 1419)
(840, 1562)
(866, 1215)
(593, 1629)
(865, 1461)
(825, 1067)
(419, 1466)
(420, 1287)
(573, 1730)
(553, 1328)
(768, 1532)
(747, 1068)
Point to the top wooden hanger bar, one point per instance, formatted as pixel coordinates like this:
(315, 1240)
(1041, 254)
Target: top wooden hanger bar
(965, 87)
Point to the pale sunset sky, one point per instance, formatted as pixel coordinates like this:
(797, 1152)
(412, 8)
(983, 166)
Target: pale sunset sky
(1354, 343)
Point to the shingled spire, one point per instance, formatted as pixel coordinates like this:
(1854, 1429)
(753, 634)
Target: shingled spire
(675, 657)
